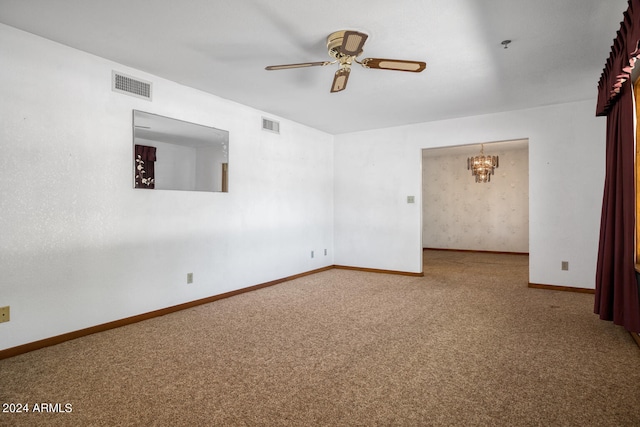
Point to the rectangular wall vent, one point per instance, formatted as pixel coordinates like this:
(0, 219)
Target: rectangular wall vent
(128, 85)
(270, 125)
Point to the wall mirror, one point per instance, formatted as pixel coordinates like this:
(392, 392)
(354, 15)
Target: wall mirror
(171, 154)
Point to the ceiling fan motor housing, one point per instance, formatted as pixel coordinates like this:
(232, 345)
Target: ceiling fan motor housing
(334, 41)
(353, 47)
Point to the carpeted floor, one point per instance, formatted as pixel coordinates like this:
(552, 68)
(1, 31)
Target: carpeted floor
(349, 348)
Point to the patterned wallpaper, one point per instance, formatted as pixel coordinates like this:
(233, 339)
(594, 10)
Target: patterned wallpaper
(459, 213)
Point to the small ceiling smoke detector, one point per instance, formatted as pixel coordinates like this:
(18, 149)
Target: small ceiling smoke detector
(505, 43)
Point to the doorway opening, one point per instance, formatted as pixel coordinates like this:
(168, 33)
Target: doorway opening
(460, 214)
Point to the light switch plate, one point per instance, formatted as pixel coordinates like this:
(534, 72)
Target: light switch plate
(4, 314)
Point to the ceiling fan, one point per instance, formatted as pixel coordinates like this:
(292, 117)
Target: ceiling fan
(345, 46)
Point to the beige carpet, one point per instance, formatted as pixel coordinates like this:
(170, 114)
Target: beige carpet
(350, 348)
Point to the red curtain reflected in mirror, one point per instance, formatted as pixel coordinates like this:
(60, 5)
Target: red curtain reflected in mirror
(144, 157)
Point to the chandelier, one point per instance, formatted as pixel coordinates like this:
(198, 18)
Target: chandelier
(482, 166)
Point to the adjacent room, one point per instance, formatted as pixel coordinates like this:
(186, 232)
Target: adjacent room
(463, 213)
(331, 213)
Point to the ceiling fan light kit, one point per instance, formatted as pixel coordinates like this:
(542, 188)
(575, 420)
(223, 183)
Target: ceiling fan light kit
(345, 46)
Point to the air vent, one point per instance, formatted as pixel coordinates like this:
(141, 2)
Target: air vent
(270, 125)
(128, 85)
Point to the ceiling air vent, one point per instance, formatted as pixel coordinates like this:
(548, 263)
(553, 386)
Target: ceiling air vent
(128, 85)
(270, 125)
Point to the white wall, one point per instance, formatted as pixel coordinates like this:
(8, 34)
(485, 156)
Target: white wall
(458, 213)
(175, 167)
(79, 246)
(376, 170)
(209, 161)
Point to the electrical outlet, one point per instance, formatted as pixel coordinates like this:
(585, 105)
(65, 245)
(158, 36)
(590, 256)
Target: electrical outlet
(565, 265)
(189, 278)
(4, 314)
(325, 252)
(312, 254)
(411, 199)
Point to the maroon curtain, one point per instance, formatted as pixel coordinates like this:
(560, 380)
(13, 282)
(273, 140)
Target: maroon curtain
(145, 157)
(622, 59)
(616, 287)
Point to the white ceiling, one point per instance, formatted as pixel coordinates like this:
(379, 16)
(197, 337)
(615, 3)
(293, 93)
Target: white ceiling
(558, 51)
(153, 127)
(492, 148)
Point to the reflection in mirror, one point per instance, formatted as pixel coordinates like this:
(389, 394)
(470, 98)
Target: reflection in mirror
(171, 154)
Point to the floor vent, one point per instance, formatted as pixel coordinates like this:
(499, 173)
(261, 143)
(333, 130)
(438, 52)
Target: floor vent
(270, 125)
(128, 85)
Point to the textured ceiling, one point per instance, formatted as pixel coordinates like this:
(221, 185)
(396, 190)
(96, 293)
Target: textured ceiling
(558, 51)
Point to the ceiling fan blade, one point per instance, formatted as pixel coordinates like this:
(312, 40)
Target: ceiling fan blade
(301, 65)
(352, 43)
(394, 64)
(340, 80)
